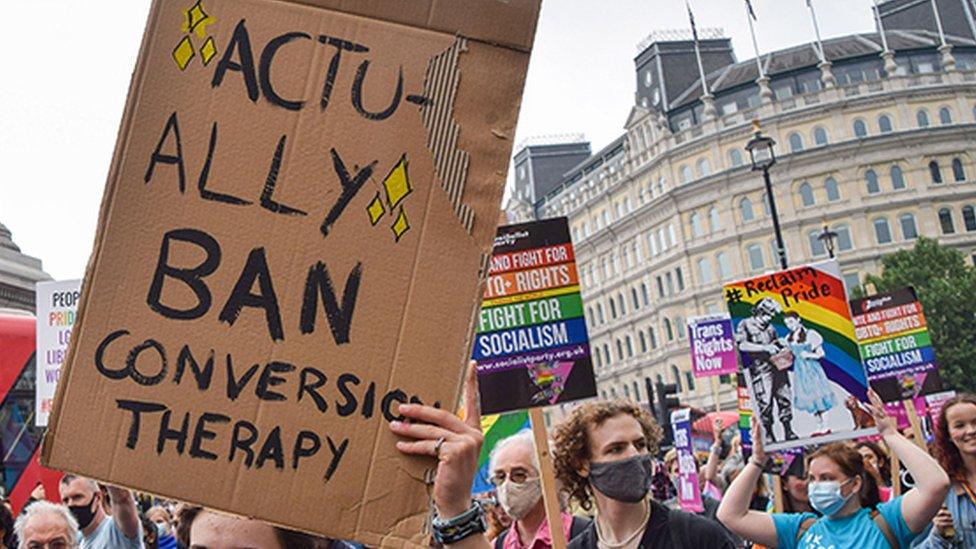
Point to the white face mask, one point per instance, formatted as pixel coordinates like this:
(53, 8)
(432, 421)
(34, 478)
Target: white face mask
(518, 499)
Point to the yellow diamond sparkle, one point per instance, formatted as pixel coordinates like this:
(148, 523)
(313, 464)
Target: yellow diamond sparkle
(401, 225)
(397, 183)
(375, 209)
(183, 53)
(208, 51)
(197, 20)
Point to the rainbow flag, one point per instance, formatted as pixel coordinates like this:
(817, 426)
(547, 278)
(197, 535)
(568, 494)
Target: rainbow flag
(496, 427)
(819, 363)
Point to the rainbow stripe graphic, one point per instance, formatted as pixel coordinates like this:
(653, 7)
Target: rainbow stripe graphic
(828, 314)
(496, 427)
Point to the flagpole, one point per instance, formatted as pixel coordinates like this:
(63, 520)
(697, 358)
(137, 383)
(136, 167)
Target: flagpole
(816, 29)
(889, 56)
(948, 61)
(752, 31)
(708, 101)
(826, 75)
(765, 92)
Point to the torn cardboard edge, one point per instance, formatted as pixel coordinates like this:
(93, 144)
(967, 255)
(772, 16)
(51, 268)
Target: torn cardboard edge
(515, 19)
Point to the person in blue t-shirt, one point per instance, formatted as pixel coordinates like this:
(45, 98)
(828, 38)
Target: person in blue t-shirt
(846, 496)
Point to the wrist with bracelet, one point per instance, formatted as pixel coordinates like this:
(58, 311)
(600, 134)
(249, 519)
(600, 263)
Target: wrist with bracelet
(758, 463)
(467, 524)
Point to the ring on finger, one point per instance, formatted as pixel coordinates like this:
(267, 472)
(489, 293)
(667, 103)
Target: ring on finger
(437, 446)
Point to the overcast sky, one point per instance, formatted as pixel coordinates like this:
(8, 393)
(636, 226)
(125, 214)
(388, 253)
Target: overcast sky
(66, 65)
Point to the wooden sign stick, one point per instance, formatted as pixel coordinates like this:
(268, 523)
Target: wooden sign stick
(912, 414)
(896, 475)
(550, 495)
(718, 405)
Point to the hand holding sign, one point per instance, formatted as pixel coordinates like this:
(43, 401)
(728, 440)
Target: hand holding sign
(454, 442)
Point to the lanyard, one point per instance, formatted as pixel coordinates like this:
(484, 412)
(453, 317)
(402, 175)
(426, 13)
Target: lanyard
(969, 491)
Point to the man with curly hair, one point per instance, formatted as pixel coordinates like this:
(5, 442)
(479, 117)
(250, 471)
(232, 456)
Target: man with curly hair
(604, 455)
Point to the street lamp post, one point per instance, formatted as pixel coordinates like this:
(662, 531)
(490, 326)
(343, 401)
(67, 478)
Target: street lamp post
(763, 157)
(827, 237)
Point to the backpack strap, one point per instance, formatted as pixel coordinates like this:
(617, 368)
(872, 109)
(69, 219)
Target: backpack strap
(500, 540)
(804, 526)
(882, 525)
(577, 527)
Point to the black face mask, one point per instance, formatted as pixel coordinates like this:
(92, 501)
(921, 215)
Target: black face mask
(83, 513)
(626, 480)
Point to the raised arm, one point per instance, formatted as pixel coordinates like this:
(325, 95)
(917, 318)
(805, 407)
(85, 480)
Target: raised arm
(456, 444)
(711, 466)
(734, 510)
(922, 502)
(124, 511)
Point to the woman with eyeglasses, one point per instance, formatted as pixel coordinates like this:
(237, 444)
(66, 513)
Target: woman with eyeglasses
(840, 489)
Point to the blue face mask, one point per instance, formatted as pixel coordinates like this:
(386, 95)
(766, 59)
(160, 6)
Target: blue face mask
(826, 496)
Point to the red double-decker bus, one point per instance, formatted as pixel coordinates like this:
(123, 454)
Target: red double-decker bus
(20, 438)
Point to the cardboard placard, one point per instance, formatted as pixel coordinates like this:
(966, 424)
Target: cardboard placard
(301, 199)
(689, 491)
(895, 345)
(532, 348)
(796, 342)
(57, 308)
(712, 346)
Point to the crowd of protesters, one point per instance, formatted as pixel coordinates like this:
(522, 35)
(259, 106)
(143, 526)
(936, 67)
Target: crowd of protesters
(614, 492)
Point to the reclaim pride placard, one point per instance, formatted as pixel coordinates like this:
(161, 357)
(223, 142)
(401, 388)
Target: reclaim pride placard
(895, 345)
(799, 354)
(290, 245)
(531, 347)
(712, 346)
(57, 307)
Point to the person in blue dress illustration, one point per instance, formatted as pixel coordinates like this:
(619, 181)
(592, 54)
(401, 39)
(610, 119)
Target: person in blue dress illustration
(812, 391)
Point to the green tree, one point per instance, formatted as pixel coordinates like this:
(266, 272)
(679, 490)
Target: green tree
(946, 287)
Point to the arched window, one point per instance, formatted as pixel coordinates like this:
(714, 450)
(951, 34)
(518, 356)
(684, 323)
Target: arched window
(833, 191)
(696, 225)
(820, 136)
(599, 312)
(897, 178)
(969, 218)
(685, 173)
(796, 142)
(681, 327)
(871, 179)
(755, 253)
(884, 123)
(735, 158)
(613, 309)
(745, 208)
(844, 240)
(704, 168)
(806, 194)
(908, 229)
(606, 354)
(652, 334)
(882, 232)
(668, 331)
(598, 357)
(704, 271)
(635, 303)
(620, 305)
(713, 220)
(765, 202)
(860, 128)
(817, 248)
(724, 269)
(676, 376)
(945, 116)
(958, 173)
(945, 221)
(642, 339)
(620, 350)
(922, 118)
(935, 172)
(630, 347)
(690, 380)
